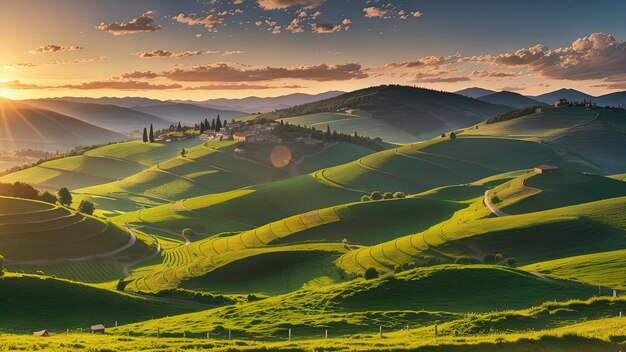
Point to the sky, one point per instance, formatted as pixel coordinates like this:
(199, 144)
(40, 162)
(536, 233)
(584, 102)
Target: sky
(178, 49)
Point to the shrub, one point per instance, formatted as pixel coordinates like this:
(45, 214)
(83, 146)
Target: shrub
(465, 260)
(187, 232)
(443, 135)
(370, 273)
(498, 258)
(399, 195)
(452, 135)
(510, 261)
(49, 197)
(86, 207)
(365, 198)
(376, 195)
(489, 258)
(65, 197)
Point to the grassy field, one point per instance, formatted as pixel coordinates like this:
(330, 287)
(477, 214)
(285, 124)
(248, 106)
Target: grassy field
(31, 302)
(360, 121)
(530, 238)
(535, 192)
(100, 165)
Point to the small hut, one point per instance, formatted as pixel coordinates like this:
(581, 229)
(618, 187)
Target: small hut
(43, 332)
(97, 329)
(542, 169)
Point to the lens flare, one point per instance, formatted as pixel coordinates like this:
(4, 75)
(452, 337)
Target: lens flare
(281, 156)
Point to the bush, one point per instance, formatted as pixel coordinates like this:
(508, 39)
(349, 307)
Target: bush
(370, 273)
(86, 207)
(443, 135)
(509, 261)
(49, 197)
(399, 195)
(466, 260)
(452, 135)
(365, 198)
(387, 195)
(376, 195)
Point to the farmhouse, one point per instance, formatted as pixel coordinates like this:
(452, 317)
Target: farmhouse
(545, 168)
(560, 102)
(239, 137)
(43, 332)
(97, 329)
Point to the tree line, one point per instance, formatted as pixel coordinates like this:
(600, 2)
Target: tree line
(289, 131)
(63, 196)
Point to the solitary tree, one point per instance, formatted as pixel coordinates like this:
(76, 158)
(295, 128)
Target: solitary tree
(86, 207)
(145, 135)
(452, 135)
(49, 197)
(183, 152)
(443, 135)
(370, 273)
(187, 233)
(151, 135)
(64, 196)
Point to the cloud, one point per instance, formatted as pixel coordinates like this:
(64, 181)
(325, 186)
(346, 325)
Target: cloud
(226, 72)
(424, 62)
(140, 75)
(597, 56)
(172, 54)
(209, 21)
(493, 74)
(326, 27)
(233, 52)
(143, 23)
(57, 62)
(416, 14)
(376, 12)
(242, 86)
(512, 88)
(51, 48)
(283, 4)
(106, 84)
(436, 78)
(296, 26)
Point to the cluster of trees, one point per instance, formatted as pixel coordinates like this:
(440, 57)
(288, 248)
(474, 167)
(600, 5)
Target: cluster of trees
(215, 125)
(290, 132)
(513, 114)
(62, 196)
(148, 136)
(499, 259)
(377, 195)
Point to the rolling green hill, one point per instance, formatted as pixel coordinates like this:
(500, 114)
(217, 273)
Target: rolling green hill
(419, 297)
(100, 165)
(411, 169)
(31, 303)
(533, 237)
(398, 112)
(512, 99)
(534, 192)
(596, 135)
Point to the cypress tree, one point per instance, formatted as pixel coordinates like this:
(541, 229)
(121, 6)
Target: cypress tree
(328, 134)
(213, 124)
(151, 135)
(145, 135)
(201, 126)
(179, 128)
(224, 125)
(218, 124)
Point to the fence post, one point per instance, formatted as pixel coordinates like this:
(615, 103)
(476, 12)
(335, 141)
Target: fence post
(381, 331)
(289, 335)
(116, 323)
(229, 334)
(158, 332)
(326, 332)
(208, 335)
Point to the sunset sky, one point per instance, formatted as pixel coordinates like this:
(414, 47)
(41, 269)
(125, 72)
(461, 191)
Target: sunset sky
(233, 48)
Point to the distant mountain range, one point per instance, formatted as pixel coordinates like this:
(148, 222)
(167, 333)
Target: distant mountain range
(256, 104)
(611, 99)
(187, 113)
(27, 126)
(421, 112)
(511, 99)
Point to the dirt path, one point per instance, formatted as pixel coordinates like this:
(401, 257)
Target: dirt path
(495, 211)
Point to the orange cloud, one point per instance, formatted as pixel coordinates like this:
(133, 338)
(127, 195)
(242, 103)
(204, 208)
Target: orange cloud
(143, 23)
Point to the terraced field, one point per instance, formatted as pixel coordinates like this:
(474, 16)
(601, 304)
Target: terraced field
(100, 165)
(534, 237)
(38, 236)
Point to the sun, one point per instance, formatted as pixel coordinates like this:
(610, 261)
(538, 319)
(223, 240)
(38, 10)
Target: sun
(4, 93)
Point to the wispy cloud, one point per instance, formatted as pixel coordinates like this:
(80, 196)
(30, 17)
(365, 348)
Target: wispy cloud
(51, 48)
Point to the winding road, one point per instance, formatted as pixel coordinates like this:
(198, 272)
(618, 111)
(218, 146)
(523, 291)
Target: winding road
(495, 211)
